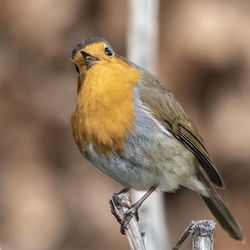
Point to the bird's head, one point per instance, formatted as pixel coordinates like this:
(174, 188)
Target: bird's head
(90, 52)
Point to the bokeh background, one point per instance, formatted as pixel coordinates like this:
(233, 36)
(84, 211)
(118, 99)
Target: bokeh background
(50, 197)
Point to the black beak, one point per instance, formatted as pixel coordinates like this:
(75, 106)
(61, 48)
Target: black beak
(87, 57)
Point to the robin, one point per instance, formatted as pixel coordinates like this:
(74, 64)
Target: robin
(131, 127)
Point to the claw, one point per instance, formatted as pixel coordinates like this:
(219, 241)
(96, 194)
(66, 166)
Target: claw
(113, 210)
(132, 211)
(114, 202)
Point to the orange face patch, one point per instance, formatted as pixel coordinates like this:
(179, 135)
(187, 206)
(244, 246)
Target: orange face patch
(96, 49)
(104, 113)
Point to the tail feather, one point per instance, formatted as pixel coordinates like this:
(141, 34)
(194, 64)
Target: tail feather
(220, 211)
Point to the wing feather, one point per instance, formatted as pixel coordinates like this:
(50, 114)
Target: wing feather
(167, 110)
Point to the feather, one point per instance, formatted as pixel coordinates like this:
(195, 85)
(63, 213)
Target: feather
(167, 110)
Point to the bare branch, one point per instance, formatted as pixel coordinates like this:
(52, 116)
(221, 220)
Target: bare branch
(203, 235)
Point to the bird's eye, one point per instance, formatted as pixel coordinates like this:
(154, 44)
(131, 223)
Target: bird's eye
(77, 69)
(108, 52)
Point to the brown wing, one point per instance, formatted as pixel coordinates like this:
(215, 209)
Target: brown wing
(169, 112)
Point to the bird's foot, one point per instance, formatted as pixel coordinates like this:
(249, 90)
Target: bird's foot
(116, 203)
(124, 217)
(132, 211)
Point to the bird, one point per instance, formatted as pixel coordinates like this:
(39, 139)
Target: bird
(131, 127)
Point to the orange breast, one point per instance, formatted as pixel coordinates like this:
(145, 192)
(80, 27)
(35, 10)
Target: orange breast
(104, 111)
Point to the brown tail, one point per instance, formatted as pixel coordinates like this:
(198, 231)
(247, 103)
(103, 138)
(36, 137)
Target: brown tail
(220, 211)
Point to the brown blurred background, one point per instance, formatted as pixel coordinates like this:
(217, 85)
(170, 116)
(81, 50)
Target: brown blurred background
(50, 197)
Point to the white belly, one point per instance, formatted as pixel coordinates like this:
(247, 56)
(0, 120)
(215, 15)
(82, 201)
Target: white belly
(168, 169)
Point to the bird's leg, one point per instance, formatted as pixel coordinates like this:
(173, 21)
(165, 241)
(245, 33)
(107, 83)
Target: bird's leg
(113, 202)
(133, 210)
